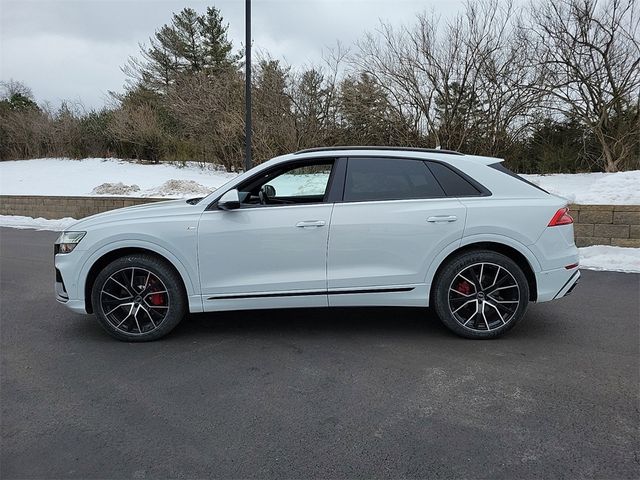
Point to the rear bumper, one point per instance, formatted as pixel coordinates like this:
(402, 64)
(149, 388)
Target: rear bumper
(76, 306)
(558, 283)
(569, 286)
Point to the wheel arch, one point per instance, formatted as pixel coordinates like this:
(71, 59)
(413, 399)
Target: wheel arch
(114, 254)
(495, 246)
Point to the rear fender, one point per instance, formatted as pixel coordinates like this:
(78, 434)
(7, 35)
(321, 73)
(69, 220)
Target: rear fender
(469, 241)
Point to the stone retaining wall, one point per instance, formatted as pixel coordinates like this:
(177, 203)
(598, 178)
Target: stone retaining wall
(617, 225)
(594, 224)
(60, 207)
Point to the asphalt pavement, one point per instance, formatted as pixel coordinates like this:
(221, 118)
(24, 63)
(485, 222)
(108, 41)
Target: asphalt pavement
(322, 393)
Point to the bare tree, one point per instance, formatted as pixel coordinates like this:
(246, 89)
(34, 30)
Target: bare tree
(387, 57)
(464, 84)
(507, 82)
(13, 87)
(314, 94)
(210, 113)
(590, 51)
(140, 126)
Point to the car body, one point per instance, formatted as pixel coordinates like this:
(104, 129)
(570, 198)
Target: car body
(332, 227)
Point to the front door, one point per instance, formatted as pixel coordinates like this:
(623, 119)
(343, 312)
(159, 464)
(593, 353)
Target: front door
(271, 251)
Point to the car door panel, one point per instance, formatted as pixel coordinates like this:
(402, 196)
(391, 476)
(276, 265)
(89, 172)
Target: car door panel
(271, 250)
(395, 218)
(262, 251)
(390, 242)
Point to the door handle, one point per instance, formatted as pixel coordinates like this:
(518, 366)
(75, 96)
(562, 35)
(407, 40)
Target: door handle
(310, 224)
(442, 219)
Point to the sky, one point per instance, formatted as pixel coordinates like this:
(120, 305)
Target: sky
(73, 49)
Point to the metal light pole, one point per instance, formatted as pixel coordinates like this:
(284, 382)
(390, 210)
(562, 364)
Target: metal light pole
(247, 88)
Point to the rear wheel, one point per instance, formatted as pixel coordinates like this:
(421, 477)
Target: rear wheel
(138, 298)
(481, 294)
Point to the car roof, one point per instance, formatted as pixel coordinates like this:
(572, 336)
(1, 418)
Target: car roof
(385, 148)
(447, 156)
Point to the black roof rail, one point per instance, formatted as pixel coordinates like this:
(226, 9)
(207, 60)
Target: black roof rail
(360, 147)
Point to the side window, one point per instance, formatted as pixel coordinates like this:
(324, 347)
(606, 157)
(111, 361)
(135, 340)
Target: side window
(452, 182)
(293, 184)
(302, 181)
(371, 179)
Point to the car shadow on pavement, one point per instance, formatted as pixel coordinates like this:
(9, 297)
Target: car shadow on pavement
(320, 322)
(315, 321)
(387, 321)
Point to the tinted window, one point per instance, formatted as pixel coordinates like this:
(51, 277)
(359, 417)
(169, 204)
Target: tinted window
(452, 182)
(370, 179)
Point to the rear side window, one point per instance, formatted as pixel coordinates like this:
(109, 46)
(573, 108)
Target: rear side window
(452, 182)
(501, 168)
(372, 179)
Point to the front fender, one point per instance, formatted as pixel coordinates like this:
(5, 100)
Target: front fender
(188, 275)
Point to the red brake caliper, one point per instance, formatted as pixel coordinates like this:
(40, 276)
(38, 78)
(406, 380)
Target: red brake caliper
(464, 287)
(156, 298)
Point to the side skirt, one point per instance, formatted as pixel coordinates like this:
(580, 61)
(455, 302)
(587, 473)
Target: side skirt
(401, 295)
(307, 293)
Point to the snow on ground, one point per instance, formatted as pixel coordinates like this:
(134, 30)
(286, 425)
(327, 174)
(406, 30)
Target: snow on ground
(115, 189)
(599, 257)
(606, 257)
(621, 188)
(17, 221)
(108, 176)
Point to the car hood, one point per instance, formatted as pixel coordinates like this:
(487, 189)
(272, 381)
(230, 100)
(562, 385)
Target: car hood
(147, 210)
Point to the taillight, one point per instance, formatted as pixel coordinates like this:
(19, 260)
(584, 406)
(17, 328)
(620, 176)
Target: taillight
(561, 217)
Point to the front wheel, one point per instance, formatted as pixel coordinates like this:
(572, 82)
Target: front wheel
(481, 294)
(138, 298)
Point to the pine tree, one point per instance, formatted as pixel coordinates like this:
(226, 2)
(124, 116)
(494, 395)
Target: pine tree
(216, 47)
(310, 106)
(367, 116)
(16, 96)
(191, 43)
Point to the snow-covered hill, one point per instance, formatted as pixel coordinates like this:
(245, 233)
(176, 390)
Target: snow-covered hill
(108, 176)
(621, 188)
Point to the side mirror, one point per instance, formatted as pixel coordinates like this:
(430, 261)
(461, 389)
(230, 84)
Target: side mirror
(268, 190)
(229, 201)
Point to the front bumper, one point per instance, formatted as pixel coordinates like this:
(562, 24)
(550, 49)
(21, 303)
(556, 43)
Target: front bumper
(61, 291)
(65, 286)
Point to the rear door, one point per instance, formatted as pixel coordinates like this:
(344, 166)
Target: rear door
(394, 218)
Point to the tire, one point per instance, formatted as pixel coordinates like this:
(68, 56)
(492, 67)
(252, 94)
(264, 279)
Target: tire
(138, 298)
(480, 294)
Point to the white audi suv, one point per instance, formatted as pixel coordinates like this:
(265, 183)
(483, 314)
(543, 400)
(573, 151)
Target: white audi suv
(329, 227)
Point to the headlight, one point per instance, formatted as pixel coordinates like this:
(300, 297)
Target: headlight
(67, 241)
